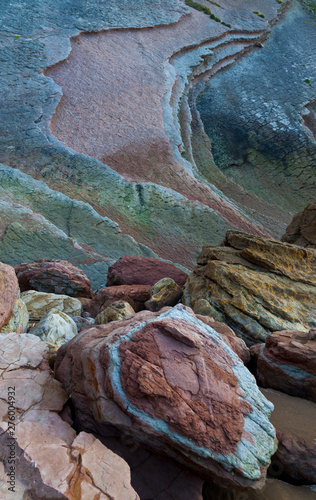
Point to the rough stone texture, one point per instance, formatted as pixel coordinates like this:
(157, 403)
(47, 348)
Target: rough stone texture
(40, 303)
(170, 381)
(228, 335)
(272, 490)
(287, 362)
(165, 292)
(135, 295)
(82, 323)
(53, 276)
(55, 327)
(302, 230)
(9, 289)
(19, 319)
(255, 285)
(116, 311)
(51, 462)
(134, 270)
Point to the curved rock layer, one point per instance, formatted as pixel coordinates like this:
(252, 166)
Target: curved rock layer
(255, 285)
(139, 190)
(171, 382)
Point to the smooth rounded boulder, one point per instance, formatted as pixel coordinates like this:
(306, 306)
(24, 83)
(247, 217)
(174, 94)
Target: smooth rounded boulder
(136, 270)
(171, 382)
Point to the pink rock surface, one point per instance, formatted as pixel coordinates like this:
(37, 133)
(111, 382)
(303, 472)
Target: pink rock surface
(287, 362)
(9, 288)
(53, 276)
(172, 383)
(135, 270)
(50, 461)
(135, 295)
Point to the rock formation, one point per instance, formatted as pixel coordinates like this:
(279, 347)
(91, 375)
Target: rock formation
(287, 362)
(53, 276)
(171, 382)
(255, 285)
(135, 295)
(50, 461)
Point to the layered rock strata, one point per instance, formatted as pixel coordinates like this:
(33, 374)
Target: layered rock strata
(255, 285)
(170, 381)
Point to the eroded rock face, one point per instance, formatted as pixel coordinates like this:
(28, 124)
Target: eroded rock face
(135, 295)
(51, 462)
(135, 270)
(171, 382)
(53, 276)
(255, 285)
(302, 230)
(287, 362)
(40, 303)
(9, 289)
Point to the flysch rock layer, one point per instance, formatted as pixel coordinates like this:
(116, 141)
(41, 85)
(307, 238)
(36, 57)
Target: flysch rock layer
(170, 200)
(255, 285)
(50, 461)
(170, 381)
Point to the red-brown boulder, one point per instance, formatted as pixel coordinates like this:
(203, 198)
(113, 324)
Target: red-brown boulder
(53, 276)
(135, 295)
(287, 363)
(135, 270)
(9, 289)
(170, 381)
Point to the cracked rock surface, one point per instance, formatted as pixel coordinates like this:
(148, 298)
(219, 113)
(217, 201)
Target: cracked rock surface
(50, 461)
(171, 382)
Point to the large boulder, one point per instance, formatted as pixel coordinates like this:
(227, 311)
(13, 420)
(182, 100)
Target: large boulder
(53, 276)
(40, 303)
(9, 289)
(302, 230)
(294, 421)
(287, 362)
(171, 382)
(136, 270)
(50, 461)
(135, 295)
(255, 285)
(164, 293)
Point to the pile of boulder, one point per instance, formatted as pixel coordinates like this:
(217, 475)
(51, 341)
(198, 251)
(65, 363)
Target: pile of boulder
(154, 376)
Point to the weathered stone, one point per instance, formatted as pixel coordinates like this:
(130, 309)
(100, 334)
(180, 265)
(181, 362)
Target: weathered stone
(294, 420)
(170, 381)
(53, 276)
(19, 319)
(164, 293)
(115, 312)
(135, 270)
(287, 363)
(135, 295)
(302, 230)
(40, 303)
(228, 335)
(9, 289)
(55, 327)
(255, 285)
(51, 461)
(272, 490)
